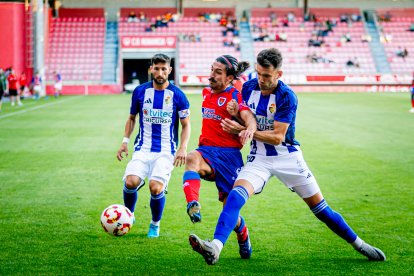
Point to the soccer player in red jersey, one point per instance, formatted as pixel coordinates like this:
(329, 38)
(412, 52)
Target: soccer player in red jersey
(218, 157)
(13, 88)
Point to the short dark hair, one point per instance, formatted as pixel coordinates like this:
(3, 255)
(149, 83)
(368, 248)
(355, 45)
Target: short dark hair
(160, 58)
(233, 66)
(268, 57)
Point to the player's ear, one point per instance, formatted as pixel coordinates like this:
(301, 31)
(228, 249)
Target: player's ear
(280, 74)
(169, 70)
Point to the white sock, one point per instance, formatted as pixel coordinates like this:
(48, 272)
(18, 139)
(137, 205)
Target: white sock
(219, 244)
(156, 223)
(357, 243)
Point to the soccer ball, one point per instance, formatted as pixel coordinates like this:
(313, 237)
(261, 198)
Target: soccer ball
(117, 220)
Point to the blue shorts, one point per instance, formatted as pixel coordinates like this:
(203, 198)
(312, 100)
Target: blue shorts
(226, 164)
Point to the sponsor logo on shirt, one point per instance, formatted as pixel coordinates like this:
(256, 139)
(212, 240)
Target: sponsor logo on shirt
(263, 123)
(148, 100)
(157, 116)
(210, 113)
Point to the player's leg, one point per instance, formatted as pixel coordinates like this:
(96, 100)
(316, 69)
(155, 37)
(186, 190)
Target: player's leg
(293, 171)
(157, 204)
(338, 225)
(135, 173)
(250, 180)
(195, 168)
(160, 173)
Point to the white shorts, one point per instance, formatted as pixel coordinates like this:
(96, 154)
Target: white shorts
(154, 165)
(290, 169)
(58, 85)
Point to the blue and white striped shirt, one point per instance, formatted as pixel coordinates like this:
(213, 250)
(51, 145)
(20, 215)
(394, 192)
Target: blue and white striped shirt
(279, 106)
(159, 111)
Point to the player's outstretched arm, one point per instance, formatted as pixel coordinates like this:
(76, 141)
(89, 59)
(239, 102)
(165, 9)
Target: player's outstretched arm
(181, 154)
(129, 128)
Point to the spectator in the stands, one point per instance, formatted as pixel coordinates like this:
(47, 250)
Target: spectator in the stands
(291, 17)
(403, 53)
(236, 43)
(285, 22)
(282, 36)
(356, 17)
(132, 17)
(411, 29)
(344, 18)
(142, 17)
(315, 42)
(353, 62)
(366, 38)
(346, 37)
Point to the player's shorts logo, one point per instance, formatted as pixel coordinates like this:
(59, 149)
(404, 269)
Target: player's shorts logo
(221, 101)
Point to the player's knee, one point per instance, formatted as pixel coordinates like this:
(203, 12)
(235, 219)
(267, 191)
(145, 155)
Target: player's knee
(192, 161)
(156, 187)
(132, 181)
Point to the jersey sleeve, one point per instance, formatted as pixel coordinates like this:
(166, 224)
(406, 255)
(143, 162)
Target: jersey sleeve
(135, 101)
(183, 105)
(286, 108)
(242, 104)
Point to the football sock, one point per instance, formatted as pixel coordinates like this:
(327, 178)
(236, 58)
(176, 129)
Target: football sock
(156, 223)
(334, 221)
(157, 204)
(130, 197)
(191, 186)
(230, 214)
(357, 243)
(219, 244)
(241, 230)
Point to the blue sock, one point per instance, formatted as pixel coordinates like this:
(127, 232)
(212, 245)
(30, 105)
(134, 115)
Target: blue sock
(130, 197)
(157, 204)
(230, 214)
(334, 221)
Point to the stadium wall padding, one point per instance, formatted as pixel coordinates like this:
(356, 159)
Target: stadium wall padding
(12, 39)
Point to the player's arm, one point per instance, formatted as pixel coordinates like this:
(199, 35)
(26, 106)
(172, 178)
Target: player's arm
(181, 154)
(273, 137)
(251, 126)
(129, 128)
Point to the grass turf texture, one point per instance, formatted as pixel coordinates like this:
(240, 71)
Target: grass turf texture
(58, 171)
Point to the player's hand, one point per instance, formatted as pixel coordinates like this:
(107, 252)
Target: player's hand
(123, 148)
(246, 136)
(233, 107)
(231, 126)
(180, 157)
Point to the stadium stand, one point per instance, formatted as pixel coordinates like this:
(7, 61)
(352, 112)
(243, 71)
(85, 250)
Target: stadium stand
(205, 41)
(76, 43)
(394, 26)
(329, 58)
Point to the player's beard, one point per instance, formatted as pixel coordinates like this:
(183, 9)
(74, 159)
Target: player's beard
(160, 81)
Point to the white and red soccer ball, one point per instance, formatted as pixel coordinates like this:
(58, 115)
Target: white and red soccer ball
(117, 220)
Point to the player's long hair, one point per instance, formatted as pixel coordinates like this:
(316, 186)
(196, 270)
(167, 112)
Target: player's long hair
(233, 66)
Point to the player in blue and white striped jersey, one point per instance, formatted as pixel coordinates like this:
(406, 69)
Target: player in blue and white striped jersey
(160, 106)
(274, 152)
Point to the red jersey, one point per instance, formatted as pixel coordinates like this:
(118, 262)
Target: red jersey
(23, 80)
(213, 111)
(12, 79)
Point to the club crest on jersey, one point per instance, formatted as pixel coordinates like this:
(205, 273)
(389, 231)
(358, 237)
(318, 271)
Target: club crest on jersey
(167, 100)
(221, 101)
(272, 108)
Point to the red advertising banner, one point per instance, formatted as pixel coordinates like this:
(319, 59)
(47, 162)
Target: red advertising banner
(139, 42)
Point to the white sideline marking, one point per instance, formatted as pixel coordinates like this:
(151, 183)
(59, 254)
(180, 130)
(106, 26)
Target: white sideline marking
(37, 107)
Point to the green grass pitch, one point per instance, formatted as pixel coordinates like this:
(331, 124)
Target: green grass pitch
(58, 171)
